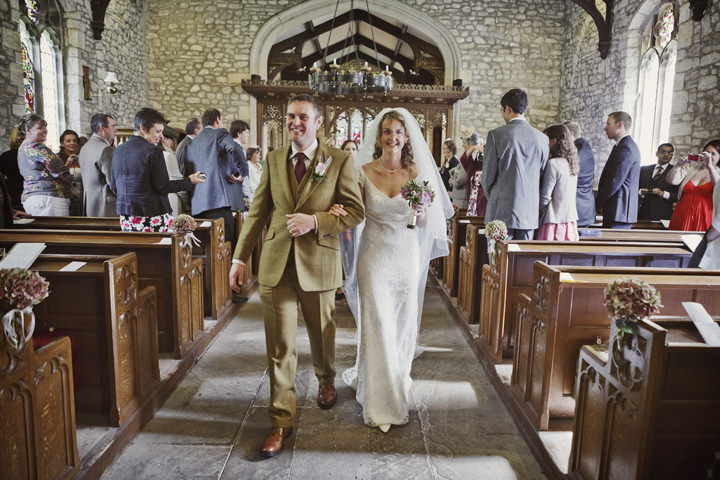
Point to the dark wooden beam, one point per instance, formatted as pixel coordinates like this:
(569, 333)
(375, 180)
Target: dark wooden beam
(310, 28)
(603, 24)
(359, 39)
(698, 7)
(97, 23)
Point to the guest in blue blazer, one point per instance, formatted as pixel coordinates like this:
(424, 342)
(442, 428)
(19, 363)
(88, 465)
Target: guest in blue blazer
(214, 153)
(140, 178)
(617, 197)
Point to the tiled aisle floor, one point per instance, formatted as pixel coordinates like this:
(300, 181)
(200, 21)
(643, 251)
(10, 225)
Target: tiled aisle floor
(213, 424)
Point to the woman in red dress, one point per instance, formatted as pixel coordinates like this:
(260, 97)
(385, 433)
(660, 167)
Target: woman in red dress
(693, 211)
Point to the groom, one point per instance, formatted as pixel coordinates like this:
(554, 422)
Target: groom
(300, 260)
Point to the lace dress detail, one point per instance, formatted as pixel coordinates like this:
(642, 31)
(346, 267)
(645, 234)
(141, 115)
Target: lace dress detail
(388, 272)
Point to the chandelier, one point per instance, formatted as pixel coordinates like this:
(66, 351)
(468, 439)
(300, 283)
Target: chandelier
(331, 79)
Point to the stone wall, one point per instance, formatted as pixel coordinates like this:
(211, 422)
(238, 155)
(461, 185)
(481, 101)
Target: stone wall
(592, 87)
(122, 50)
(503, 45)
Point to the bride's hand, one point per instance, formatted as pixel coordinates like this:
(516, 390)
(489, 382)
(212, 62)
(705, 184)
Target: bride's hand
(337, 210)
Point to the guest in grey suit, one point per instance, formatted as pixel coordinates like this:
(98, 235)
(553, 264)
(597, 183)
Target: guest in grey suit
(213, 153)
(95, 165)
(617, 196)
(515, 157)
(192, 128)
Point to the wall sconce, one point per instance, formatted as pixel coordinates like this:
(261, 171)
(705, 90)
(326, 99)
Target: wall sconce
(111, 81)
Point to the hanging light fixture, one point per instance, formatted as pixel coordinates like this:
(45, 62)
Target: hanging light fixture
(324, 78)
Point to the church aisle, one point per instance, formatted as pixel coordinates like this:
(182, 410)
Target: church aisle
(213, 424)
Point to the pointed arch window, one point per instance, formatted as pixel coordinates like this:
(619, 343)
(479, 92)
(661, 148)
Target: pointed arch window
(28, 68)
(42, 75)
(655, 86)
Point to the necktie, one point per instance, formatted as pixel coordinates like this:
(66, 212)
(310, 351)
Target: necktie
(658, 172)
(300, 166)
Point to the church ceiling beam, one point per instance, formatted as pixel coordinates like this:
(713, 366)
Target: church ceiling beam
(357, 15)
(698, 7)
(397, 74)
(603, 23)
(407, 63)
(98, 8)
(311, 28)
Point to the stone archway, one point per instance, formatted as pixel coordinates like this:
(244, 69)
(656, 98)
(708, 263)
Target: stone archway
(281, 23)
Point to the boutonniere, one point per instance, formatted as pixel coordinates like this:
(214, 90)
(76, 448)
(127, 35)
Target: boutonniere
(320, 171)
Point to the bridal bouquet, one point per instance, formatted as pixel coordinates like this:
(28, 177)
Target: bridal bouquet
(185, 225)
(494, 231)
(629, 300)
(417, 195)
(20, 289)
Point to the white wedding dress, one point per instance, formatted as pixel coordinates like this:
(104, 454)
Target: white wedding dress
(388, 272)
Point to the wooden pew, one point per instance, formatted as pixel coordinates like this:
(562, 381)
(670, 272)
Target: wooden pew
(565, 311)
(472, 256)
(511, 274)
(37, 414)
(639, 225)
(648, 410)
(456, 239)
(113, 328)
(213, 250)
(164, 261)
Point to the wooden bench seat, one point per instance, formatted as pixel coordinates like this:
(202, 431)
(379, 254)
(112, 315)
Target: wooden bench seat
(649, 409)
(512, 274)
(164, 261)
(37, 413)
(456, 240)
(214, 251)
(565, 311)
(113, 328)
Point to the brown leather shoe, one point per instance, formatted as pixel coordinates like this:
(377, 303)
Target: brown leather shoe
(326, 396)
(275, 440)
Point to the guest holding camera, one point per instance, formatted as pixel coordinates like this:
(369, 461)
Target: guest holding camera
(711, 255)
(693, 211)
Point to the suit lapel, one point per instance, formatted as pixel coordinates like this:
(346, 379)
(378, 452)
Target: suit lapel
(309, 186)
(282, 173)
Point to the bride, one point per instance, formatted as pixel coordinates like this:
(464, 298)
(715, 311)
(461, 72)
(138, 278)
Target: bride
(385, 281)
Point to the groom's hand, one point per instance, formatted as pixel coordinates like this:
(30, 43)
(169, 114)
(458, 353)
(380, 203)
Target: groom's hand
(299, 224)
(237, 276)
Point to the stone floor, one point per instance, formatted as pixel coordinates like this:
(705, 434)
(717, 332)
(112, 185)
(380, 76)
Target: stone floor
(213, 424)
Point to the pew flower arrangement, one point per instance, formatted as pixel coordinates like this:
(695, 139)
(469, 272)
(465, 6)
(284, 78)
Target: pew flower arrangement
(185, 225)
(494, 231)
(417, 195)
(629, 300)
(20, 290)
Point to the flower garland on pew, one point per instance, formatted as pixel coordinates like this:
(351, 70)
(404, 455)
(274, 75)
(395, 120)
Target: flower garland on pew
(185, 225)
(494, 231)
(629, 300)
(20, 290)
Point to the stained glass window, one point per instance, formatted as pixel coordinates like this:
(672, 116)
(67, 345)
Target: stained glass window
(341, 129)
(28, 69)
(48, 62)
(356, 126)
(665, 26)
(32, 10)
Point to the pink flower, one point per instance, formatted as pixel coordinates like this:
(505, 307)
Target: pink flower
(155, 220)
(136, 220)
(20, 288)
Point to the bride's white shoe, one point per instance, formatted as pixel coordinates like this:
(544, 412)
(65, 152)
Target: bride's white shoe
(384, 427)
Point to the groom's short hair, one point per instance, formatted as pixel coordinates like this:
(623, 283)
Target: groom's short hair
(304, 97)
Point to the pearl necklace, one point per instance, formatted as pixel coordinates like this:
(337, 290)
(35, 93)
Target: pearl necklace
(389, 171)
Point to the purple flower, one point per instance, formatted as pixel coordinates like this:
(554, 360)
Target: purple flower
(20, 288)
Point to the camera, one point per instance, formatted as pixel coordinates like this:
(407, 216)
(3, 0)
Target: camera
(693, 157)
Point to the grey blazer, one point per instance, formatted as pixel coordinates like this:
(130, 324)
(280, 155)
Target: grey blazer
(557, 194)
(213, 153)
(459, 190)
(96, 164)
(515, 157)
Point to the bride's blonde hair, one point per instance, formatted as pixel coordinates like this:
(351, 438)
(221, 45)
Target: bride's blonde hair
(406, 156)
